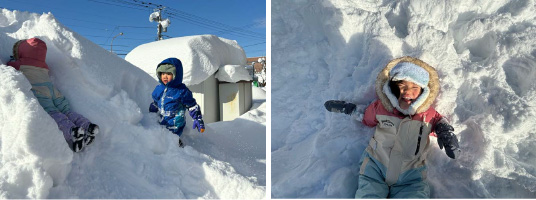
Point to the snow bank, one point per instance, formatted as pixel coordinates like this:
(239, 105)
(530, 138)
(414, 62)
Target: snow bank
(233, 73)
(250, 143)
(132, 157)
(201, 55)
(485, 56)
(34, 167)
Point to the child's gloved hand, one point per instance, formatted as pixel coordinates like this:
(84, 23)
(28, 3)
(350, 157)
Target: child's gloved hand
(199, 124)
(153, 107)
(447, 139)
(195, 112)
(339, 106)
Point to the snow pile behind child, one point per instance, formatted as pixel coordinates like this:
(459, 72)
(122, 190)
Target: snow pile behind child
(210, 53)
(485, 57)
(233, 73)
(133, 157)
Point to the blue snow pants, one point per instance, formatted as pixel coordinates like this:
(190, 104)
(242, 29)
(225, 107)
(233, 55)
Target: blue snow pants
(371, 182)
(176, 130)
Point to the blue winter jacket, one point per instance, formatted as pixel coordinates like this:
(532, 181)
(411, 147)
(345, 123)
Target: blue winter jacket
(173, 99)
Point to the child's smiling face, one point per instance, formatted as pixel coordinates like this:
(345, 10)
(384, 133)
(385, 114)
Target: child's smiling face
(409, 91)
(166, 77)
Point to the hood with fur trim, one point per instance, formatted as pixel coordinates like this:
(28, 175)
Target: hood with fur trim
(422, 103)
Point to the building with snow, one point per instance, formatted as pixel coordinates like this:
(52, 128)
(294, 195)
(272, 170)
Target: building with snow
(234, 91)
(258, 65)
(206, 94)
(202, 56)
(254, 61)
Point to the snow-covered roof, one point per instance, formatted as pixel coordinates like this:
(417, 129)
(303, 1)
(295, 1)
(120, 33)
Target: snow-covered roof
(233, 74)
(201, 55)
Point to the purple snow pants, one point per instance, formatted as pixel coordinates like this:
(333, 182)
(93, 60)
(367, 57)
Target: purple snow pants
(67, 121)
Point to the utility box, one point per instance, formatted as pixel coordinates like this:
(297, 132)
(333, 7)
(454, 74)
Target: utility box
(206, 95)
(235, 99)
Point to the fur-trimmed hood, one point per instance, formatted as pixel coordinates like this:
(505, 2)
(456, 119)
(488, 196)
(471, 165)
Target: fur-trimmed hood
(383, 79)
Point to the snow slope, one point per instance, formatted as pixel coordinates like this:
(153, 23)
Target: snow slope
(133, 157)
(484, 52)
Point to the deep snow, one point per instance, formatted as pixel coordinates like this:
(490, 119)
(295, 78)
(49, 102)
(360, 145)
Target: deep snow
(484, 52)
(133, 157)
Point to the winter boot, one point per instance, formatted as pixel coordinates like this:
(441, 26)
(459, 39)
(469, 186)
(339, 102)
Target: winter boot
(181, 145)
(92, 130)
(77, 134)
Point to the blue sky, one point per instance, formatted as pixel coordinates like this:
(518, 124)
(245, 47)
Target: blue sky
(101, 20)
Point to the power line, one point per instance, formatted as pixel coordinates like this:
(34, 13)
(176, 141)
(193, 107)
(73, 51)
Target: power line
(242, 27)
(121, 50)
(213, 24)
(208, 21)
(147, 27)
(186, 17)
(257, 51)
(253, 44)
(115, 45)
(199, 23)
(124, 6)
(122, 38)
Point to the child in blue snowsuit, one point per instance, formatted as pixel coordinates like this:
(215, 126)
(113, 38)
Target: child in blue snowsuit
(171, 98)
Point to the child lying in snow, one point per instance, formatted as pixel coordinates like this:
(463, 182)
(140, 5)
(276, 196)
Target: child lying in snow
(172, 97)
(29, 58)
(393, 164)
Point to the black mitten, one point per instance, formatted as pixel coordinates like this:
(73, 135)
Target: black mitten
(339, 106)
(153, 107)
(447, 139)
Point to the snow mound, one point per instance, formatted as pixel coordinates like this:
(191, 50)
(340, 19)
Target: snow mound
(233, 74)
(36, 167)
(485, 57)
(201, 55)
(132, 157)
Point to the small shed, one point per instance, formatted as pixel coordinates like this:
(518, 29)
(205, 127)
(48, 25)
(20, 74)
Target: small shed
(206, 95)
(235, 93)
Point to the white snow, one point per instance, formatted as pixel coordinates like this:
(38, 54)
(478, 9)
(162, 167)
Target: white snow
(484, 52)
(233, 73)
(133, 157)
(165, 23)
(154, 16)
(201, 55)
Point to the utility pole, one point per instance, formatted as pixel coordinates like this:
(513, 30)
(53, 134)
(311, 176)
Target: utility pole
(159, 19)
(162, 23)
